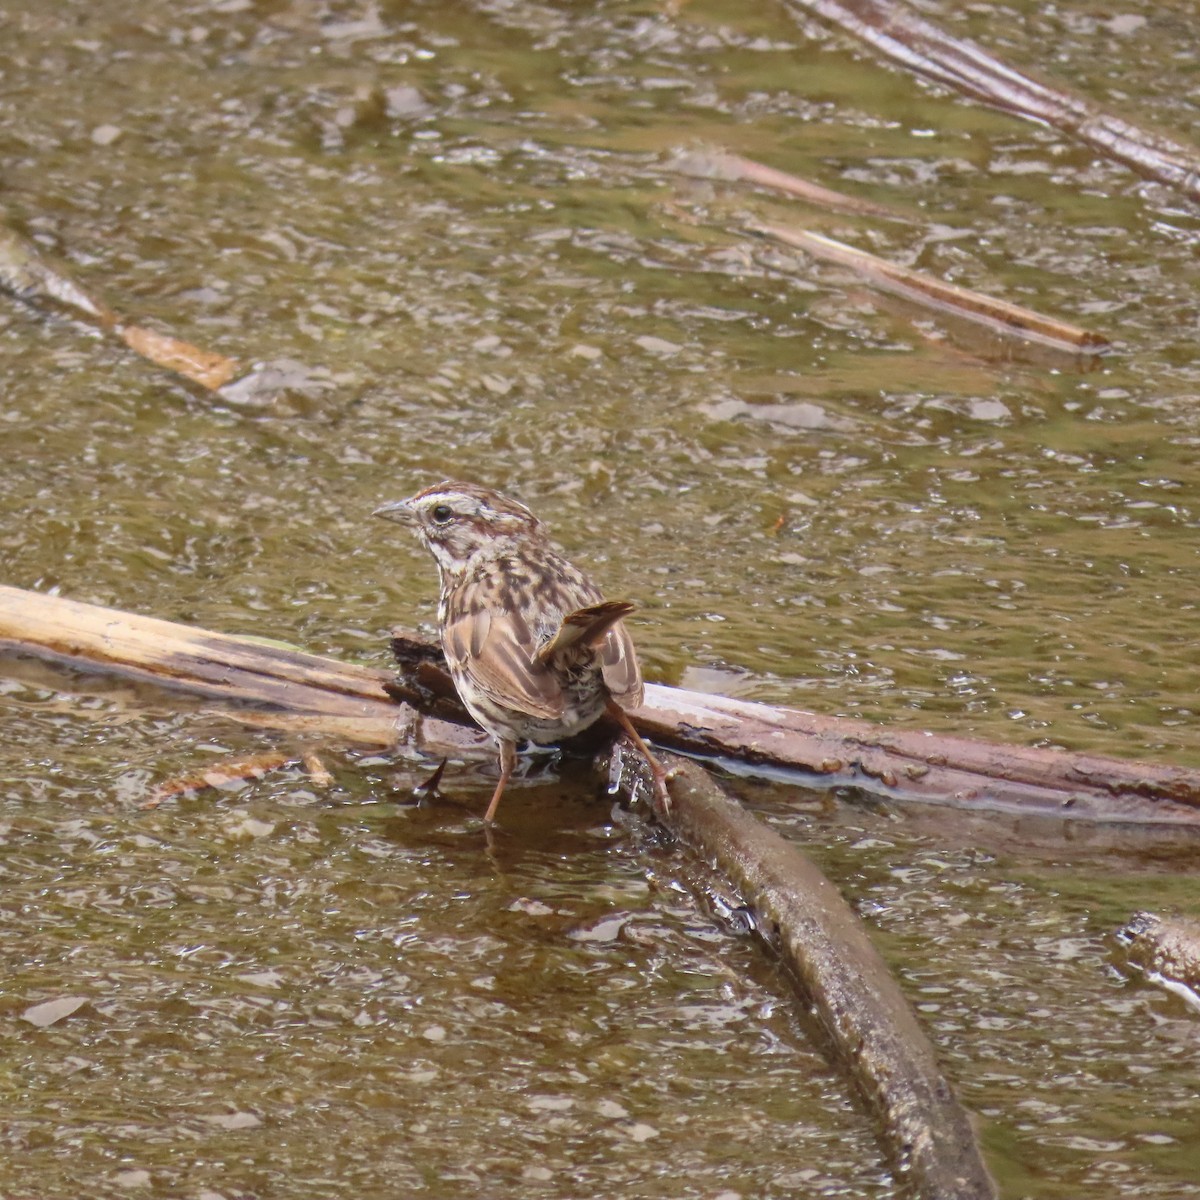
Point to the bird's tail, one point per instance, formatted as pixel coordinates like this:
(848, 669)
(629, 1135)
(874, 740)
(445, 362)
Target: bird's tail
(584, 627)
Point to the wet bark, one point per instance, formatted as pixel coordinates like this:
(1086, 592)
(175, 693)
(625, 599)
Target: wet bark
(913, 765)
(841, 979)
(269, 685)
(257, 683)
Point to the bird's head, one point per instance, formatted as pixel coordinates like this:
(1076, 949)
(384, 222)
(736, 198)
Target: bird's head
(460, 521)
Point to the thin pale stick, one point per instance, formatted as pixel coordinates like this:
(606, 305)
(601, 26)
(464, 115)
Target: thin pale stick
(733, 168)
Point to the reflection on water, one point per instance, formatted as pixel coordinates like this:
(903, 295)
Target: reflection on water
(458, 216)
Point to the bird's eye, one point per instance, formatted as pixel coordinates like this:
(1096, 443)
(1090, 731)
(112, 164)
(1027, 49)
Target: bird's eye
(442, 513)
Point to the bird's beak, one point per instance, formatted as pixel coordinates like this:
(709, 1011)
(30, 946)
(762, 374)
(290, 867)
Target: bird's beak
(398, 510)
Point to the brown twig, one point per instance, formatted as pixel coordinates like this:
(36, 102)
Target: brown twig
(208, 369)
(220, 775)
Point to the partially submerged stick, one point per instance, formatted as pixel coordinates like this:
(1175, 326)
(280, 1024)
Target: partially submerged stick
(906, 765)
(844, 982)
(999, 315)
(280, 687)
(28, 274)
(918, 765)
(220, 775)
(918, 44)
(733, 168)
(205, 367)
(218, 666)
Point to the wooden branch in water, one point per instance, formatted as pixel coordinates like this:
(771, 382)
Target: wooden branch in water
(923, 289)
(205, 367)
(906, 765)
(281, 687)
(219, 776)
(264, 685)
(918, 44)
(928, 767)
(864, 1014)
(217, 666)
(841, 978)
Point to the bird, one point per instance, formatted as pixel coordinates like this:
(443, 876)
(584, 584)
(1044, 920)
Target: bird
(536, 652)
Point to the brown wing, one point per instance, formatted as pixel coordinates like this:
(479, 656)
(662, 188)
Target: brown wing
(619, 665)
(496, 655)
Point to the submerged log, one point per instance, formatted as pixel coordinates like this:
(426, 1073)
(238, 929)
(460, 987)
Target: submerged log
(275, 685)
(843, 981)
(918, 44)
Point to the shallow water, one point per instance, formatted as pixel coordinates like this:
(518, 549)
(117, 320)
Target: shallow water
(817, 496)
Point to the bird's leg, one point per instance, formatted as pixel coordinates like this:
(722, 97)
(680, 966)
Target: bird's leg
(659, 772)
(508, 759)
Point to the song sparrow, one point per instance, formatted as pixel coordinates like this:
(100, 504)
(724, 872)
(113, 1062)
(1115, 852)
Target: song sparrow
(536, 652)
